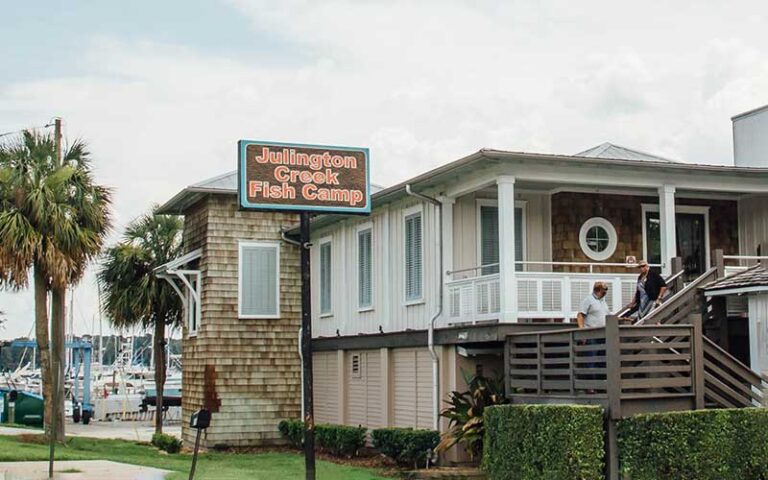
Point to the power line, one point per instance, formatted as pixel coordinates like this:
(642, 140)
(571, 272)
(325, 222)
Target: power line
(5, 134)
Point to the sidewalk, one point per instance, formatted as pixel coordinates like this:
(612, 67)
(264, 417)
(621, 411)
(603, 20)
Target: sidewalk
(79, 470)
(135, 431)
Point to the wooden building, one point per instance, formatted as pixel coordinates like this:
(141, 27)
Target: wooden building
(242, 289)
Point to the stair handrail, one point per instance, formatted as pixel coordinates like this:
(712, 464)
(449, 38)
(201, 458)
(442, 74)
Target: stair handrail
(691, 287)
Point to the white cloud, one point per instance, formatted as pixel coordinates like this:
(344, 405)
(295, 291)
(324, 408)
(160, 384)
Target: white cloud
(421, 83)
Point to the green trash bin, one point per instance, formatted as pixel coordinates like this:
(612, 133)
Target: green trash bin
(3, 408)
(29, 409)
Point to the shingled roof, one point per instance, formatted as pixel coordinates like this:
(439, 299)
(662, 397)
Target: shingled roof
(753, 279)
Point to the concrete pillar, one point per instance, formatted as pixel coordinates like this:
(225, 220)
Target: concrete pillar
(667, 223)
(508, 283)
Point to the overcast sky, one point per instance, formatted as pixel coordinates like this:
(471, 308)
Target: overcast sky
(162, 91)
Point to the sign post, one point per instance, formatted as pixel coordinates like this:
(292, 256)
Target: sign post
(304, 179)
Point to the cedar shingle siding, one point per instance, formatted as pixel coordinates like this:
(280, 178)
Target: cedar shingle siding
(256, 363)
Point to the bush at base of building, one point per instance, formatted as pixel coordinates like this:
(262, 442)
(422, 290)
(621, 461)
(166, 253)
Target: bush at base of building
(339, 440)
(406, 446)
(293, 431)
(169, 443)
(527, 442)
(727, 444)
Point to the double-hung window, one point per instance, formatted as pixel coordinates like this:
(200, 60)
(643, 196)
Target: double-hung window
(259, 280)
(325, 278)
(414, 272)
(364, 269)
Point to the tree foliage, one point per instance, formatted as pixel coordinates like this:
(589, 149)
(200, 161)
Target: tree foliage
(132, 294)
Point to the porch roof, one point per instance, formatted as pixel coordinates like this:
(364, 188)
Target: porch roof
(753, 279)
(484, 158)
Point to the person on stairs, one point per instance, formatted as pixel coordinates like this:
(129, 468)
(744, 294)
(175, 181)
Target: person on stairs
(650, 291)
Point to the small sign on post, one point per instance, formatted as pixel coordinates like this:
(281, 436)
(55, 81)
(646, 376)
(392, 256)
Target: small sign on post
(304, 179)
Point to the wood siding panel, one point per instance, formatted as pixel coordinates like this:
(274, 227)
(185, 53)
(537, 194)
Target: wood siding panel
(364, 390)
(753, 225)
(325, 386)
(389, 312)
(412, 388)
(256, 361)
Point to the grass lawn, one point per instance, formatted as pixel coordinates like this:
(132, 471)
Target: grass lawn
(213, 465)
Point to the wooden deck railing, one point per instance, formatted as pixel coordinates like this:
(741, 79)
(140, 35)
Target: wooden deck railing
(612, 366)
(730, 383)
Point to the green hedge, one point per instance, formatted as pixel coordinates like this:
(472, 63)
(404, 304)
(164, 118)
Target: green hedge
(339, 440)
(293, 431)
(169, 443)
(553, 442)
(728, 444)
(405, 445)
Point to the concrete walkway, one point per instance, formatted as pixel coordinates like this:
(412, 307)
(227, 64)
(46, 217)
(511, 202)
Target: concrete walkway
(132, 431)
(79, 470)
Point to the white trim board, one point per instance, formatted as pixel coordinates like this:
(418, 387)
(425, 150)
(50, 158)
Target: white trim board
(736, 291)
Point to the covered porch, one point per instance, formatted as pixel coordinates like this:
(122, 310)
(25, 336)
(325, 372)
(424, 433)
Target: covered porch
(530, 247)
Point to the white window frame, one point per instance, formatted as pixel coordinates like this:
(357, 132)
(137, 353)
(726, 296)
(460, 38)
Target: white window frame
(193, 307)
(328, 240)
(696, 209)
(613, 239)
(254, 243)
(361, 228)
(407, 213)
(489, 202)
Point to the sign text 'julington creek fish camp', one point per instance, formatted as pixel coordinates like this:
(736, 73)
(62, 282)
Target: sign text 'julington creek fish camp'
(317, 178)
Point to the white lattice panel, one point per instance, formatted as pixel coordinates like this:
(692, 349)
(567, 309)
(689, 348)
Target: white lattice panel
(552, 295)
(527, 296)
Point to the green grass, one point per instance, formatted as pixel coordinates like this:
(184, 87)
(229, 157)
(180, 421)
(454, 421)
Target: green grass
(213, 465)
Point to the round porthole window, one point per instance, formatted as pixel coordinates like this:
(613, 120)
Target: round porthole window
(598, 239)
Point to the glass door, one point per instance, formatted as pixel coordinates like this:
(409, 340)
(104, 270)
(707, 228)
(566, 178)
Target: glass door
(691, 241)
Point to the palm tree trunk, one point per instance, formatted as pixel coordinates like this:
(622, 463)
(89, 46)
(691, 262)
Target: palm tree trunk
(159, 372)
(41, 334)
(59, 352)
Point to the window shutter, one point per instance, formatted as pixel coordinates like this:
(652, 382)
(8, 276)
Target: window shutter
(365, 291)
(519, 236)
(413, 254)
(259, 277)
(489, 238)
(325, 278)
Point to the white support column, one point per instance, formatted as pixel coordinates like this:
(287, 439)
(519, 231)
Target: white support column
(508, 283)
(667, 223)
(447, 210)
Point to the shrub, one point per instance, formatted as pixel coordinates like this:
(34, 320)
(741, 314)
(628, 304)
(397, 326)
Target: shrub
(169, 443)
(727, 444)
(526, 442)
(340, 440)
(293, 430)
(465, 413)
(406, 446)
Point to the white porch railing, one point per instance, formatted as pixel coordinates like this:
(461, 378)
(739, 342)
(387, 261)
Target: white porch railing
(539, 294)
(745, 262)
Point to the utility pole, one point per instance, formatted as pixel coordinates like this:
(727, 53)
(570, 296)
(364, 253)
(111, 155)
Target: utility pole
(306, 350)
(58, 338)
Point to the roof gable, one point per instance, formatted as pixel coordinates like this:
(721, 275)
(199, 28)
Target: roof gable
(613, 151)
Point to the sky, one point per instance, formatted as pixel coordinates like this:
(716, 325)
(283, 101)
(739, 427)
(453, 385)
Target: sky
(162, 91)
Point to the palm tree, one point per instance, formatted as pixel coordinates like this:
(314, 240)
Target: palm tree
(53, 220)
(131, 293)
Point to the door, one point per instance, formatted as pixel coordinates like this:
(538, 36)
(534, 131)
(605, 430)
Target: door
(691, 241)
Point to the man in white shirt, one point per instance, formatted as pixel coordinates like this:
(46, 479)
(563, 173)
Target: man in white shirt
(594, 309)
